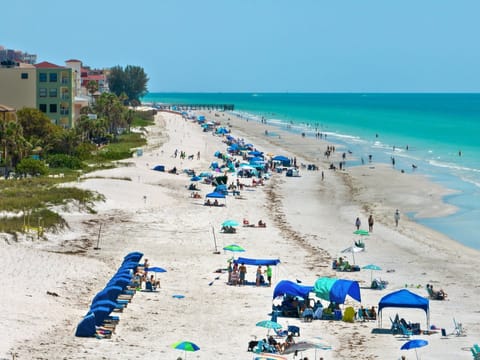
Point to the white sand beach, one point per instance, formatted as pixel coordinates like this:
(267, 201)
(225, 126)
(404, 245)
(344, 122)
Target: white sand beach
(48, 284)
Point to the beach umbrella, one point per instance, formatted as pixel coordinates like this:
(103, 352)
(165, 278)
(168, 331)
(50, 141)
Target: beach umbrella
(195, 178)
(372, 267)
(156, 269)
(414, 344)
(230, 223)
(352, 249)
(234, 248)
(268, 324)
(361, 232)
(186, 346)
(215, 195)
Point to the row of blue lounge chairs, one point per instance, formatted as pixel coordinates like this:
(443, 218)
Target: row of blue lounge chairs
(99, 321)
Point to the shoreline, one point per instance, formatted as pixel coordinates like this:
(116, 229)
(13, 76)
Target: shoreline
(442, 208)
(308, 223)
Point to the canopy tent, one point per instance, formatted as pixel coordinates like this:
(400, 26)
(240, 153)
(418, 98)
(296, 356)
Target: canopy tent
(336, 290)
(287, 287)
(257, 262)
(404, 299)
(283, 159)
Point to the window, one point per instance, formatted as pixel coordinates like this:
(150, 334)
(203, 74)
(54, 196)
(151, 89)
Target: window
(24, 76)
(43, 108)
(42, 77)
(53, 108)
(53, 93)
(53, 77)
(64, 109)
(42, 92)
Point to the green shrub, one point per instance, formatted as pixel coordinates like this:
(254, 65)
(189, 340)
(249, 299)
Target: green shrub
(29, 166)
(64, 161)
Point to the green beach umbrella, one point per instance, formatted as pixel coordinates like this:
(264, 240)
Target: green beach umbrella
(234, 248)
(361, 232)
(268, 324)
(185, 346)
(372, 267)
(230, 223)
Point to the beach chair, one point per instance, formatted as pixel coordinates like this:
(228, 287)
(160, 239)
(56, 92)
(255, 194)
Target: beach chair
(395, 325)
(293, 330)
(475, 349)
(459, 330)
(405, 331)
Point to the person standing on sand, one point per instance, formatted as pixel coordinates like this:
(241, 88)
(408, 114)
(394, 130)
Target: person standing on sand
(243, 271)
(358, 223)
(396, 217)
(269, 275)
(370, 223)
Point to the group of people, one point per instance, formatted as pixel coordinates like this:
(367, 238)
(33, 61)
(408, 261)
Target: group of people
(358, 222)
(281, 346)
(210, 203)
(141, 276)
(237, 274)
(367, 314)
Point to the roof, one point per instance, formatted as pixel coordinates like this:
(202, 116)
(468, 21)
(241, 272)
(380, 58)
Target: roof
(73, 60)
(4, 108)
(94, 77)
(48, 65)
(404, 299)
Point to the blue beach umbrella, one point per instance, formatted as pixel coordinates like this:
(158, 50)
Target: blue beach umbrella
(414, 344)
(215, 195)
(156, 269)
(195, 178)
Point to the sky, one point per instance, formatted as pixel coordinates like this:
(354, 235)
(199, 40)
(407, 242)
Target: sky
(261, 45)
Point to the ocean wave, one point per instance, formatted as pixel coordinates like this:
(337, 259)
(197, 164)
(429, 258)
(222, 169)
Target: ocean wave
(453, 166)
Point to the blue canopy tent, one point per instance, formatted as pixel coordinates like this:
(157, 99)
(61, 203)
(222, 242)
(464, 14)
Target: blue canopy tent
(257, 262)
(283, 159)
(404, 299)
(287, 287)
(336, 290)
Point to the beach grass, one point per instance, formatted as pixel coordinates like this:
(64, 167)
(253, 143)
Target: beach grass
(33, 198)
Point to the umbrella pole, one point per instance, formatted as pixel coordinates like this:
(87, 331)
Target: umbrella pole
(215, 241)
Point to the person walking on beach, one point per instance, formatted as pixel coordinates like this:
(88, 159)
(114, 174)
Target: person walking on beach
(358, 223)
(269, 275)
(370, 223)
(396, 217)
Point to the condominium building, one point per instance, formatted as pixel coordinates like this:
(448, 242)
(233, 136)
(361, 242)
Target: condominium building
(55, 93)
(18, 85)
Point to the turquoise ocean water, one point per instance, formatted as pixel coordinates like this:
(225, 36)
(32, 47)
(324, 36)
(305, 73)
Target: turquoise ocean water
(441, 131)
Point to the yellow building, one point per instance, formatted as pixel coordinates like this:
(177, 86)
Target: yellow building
(18, 85)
